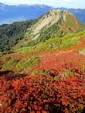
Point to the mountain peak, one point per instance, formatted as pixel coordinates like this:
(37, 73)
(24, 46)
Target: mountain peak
(59, 13)
(1, 3)
(54, 23)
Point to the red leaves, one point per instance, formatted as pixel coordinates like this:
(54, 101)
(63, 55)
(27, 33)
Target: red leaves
(59, 62)
(46, 93)
(43, 94)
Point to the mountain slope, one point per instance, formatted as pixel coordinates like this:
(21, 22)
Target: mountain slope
(55, 23)
(28, 57)
(11, 34)
(45, 81)
(79, 13)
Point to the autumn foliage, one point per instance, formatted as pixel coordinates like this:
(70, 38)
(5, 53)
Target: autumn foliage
(60, 90)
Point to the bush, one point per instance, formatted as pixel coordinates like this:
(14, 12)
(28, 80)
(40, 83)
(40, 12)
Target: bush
(27, 62)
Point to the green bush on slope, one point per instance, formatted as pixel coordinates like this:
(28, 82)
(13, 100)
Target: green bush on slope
(27, 62)
(53, 43)
(9, 65)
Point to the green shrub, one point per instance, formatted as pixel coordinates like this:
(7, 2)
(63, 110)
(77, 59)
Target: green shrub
(27, 62)
(9, 65)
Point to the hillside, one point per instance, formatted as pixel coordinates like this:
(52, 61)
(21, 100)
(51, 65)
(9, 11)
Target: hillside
(11, 34)
(45, 78)
(29, 57)
(55, 23)
(42, 66)
(79, 13)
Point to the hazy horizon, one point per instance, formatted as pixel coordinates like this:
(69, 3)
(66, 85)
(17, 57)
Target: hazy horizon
(54, 3)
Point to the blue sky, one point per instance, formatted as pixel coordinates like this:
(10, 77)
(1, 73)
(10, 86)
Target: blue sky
(54, 3)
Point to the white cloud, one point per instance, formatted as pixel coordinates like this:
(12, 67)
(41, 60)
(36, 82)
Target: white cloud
(70, 1)
(29, 1)
(66, 0)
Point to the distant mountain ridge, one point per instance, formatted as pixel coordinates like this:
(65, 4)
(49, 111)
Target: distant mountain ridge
(12, 13)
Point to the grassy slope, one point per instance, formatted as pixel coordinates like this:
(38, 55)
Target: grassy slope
(54, 43)
(30, 57)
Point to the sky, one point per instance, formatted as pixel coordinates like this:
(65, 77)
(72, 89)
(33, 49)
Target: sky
(54, 3)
